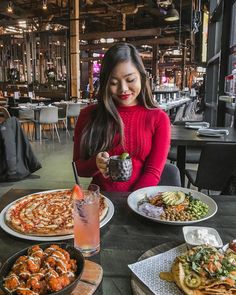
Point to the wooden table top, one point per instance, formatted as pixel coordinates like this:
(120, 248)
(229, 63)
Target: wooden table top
(126, 237)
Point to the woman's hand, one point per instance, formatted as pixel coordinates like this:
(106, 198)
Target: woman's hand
(102, 160)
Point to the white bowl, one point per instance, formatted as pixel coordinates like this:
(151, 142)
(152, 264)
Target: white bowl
(199, 235)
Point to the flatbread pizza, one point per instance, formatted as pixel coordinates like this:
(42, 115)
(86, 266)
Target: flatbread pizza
(204, 270)
(46, 214)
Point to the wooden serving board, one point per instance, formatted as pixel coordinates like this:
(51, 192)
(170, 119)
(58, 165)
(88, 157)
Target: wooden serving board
(89, 281)
(138, 287)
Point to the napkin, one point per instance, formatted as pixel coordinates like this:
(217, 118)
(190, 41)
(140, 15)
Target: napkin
(148, 271)
(196, 125)
(212, 132)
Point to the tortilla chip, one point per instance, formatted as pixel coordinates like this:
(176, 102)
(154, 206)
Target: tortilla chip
(175, 272)
(183, 286)
(217, 290)
(166, 276)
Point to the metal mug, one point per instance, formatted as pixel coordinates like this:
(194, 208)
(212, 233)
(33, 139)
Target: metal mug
(120, 170)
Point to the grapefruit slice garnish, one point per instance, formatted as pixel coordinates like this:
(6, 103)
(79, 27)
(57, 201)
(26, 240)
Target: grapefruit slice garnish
(77, 193)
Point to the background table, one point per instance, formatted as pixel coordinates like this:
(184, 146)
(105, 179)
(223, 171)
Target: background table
(183, 137)
(126, 237)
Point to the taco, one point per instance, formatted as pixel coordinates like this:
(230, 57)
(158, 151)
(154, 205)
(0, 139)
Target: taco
(204, 270)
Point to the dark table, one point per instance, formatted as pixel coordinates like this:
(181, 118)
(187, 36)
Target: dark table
(183, 137)
(127, 236)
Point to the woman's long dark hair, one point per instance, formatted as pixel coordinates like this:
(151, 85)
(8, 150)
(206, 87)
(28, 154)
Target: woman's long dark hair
(99, 133)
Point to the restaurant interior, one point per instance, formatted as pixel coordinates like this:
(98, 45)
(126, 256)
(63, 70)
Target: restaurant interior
(51, 53)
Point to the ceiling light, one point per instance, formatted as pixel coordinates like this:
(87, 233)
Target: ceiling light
(45, 6)
(10, 7)
(172, 14)
(83, 26)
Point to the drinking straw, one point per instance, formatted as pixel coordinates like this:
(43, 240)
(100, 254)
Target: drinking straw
(75, 173)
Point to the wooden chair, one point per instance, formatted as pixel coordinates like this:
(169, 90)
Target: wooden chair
(216, 165)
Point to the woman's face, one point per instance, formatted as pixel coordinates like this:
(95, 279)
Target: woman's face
(125, 84)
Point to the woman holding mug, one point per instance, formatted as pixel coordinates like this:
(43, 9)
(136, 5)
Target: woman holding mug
(126, 119)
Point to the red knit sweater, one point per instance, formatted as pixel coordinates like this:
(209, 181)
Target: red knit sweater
(147, 134)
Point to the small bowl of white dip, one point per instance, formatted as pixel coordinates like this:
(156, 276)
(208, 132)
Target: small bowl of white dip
(199, 235)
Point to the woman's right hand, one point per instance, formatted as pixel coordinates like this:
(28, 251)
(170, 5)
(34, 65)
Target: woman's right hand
(102, 161)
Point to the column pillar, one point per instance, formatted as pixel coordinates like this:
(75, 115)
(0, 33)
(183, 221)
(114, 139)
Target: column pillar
(123, 24)
(28, 56)
(184, 56)
(90, 71)
(74, 49)
(155, 53)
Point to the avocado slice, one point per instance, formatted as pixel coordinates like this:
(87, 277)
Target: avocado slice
(180, 198)
(168, 199)
(174, 198)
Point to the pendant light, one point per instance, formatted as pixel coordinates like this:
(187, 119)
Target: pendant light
(172, 14)
(83, 27)
(10, 7)
(45, 6)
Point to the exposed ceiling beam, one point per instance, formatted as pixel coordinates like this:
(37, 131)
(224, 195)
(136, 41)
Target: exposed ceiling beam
(174, 64)
(97, 58)
(121, 34)
(160, 41)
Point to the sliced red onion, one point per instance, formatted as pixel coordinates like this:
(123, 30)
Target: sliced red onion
(151, 210)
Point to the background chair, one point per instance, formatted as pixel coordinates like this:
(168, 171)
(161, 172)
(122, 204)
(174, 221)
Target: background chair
(73, 111)
(25, 99)
(62, 115)
(26, 117)
(192, 154)
(216, 165)
(170, 176)
(4, 113)
(179, 114)
(49, 116)
(12, 102)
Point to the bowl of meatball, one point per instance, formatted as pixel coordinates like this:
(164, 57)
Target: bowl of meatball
(42, 269)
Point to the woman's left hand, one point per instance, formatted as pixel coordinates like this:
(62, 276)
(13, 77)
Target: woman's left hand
(102, 161)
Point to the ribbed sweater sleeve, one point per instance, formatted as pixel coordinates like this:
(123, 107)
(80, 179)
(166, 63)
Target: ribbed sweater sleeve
(156, 159)
(85, 168)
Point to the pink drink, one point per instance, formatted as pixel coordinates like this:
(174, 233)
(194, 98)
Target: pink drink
(86, 224)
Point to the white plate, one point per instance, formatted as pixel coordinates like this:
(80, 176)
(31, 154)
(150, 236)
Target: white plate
(138, 195)
(196, 127)
(209, 134)
(9, 230)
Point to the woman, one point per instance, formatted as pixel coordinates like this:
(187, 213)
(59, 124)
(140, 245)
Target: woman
(126, 119)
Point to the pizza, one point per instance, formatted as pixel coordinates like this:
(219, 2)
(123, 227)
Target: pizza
(46, 214)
